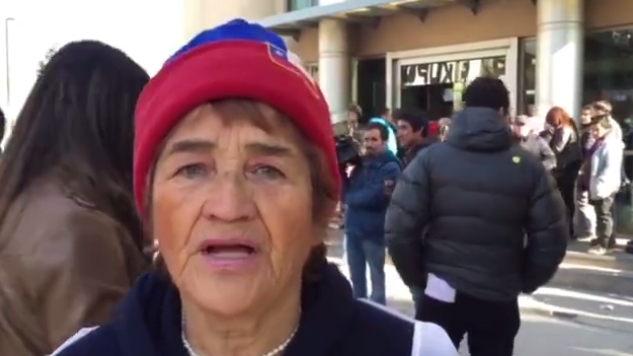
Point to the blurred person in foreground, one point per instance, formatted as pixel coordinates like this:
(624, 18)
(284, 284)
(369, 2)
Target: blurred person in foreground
(366, 193)
(238, 193)
(458, 221)
(523, 131)
(70, 237)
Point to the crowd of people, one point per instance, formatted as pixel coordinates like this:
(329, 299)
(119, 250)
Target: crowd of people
(480, 208)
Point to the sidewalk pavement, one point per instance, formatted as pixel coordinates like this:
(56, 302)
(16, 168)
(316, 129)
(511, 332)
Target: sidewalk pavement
(585, 308)
(549, 336)
(584, 324)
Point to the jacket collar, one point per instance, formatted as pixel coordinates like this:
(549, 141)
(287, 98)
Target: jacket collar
(149, 320)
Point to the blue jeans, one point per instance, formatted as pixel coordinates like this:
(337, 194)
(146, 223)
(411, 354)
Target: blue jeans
(360, 253)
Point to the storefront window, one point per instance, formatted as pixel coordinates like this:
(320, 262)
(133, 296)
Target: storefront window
(437, 87)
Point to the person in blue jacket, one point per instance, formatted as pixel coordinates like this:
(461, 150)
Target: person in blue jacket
(236, 181)
(392, 141)
(367, 192)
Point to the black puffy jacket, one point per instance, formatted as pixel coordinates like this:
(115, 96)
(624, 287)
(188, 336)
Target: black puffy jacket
(478, 212)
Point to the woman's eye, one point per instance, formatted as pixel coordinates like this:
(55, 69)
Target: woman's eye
(268, 172)
(192, 170)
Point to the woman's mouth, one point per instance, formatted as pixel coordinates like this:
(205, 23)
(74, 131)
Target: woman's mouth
(230, 255)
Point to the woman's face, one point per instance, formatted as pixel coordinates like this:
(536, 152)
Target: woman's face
(598, 132)
(585, 117)
(232, 209)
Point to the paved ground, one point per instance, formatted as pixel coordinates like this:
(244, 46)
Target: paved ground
(548, 336)
(556, 322)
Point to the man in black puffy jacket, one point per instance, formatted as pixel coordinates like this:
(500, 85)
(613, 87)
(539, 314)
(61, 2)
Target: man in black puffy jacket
(475, 221)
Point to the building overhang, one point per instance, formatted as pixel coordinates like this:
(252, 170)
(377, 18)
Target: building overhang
(356, 11)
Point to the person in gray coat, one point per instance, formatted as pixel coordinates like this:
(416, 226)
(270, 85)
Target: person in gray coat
(525, 136)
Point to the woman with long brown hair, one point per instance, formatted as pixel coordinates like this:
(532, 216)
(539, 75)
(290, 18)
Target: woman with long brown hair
(70, 237)
(564, 140)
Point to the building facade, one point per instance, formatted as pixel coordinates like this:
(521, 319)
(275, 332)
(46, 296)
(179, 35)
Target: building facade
(431, 49)
(422, 53)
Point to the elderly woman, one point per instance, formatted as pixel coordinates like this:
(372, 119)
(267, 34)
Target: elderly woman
(235, 173)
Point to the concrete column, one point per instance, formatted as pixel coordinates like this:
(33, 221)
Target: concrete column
(334, 67)
(559, 55)
(203, 14)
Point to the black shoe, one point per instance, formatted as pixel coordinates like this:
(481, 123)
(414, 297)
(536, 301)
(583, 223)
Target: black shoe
(629, 247)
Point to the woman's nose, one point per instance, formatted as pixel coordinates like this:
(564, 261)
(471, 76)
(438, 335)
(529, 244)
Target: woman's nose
(229, 198)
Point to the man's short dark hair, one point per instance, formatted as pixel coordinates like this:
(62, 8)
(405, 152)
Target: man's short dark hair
(384, 132)
(487, 92)
(414, 117)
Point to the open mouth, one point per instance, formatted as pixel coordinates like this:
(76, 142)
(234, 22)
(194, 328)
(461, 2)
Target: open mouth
(228, 250)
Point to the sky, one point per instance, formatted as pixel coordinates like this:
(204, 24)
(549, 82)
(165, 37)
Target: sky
(147, 30)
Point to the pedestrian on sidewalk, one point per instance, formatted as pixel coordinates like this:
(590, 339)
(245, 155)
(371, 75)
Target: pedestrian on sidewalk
(524, 135)
(585, 217)
(470, 202)
(366, 193)
(238, 193)
(602, 177)
(564, 139)
(413, 137)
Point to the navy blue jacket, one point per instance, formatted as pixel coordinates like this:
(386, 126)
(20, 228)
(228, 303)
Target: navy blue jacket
(148, 323)
(366, 198)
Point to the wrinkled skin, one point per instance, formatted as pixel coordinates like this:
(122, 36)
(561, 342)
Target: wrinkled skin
(225, 177)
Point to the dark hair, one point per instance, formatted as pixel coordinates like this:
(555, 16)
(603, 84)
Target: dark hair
(3, 124)
(487, 92)
(415, 118)
(382, 128)
(77, 126)
(384, 111)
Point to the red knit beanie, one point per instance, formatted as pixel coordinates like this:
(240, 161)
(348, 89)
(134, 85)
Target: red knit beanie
(235, 60)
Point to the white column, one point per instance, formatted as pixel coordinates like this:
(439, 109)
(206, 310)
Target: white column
(203, 14)
(559, 55)
(334, 67)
